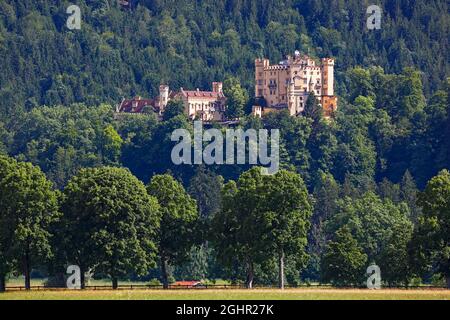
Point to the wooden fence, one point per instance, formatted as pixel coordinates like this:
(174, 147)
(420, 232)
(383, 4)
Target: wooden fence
(196, 287)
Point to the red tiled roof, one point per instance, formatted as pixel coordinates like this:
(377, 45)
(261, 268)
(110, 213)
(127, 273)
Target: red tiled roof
(202, 94)
(138, 103)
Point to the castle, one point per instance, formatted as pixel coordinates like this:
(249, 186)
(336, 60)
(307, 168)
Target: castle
(288, 84)
(285, 86)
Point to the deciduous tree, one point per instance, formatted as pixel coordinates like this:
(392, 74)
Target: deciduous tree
(178, 221)
(28, 206)
(174, 108)
(237, 98)
(375, 224)
(287, 210)
(430, 248)
(239, 228)
(344, 261)
(110, 223)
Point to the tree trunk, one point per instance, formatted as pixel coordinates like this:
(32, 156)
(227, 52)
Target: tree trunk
(250, 276)
(82, 278)
(114, 283)
(27, 271)
(2, 283)
(164, 275)
(281, 269)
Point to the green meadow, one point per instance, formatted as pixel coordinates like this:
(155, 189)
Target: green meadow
(231, 294)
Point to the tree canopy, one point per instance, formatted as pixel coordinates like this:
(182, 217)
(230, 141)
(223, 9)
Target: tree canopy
(178, 221)
(431, 243)
(110, 223)
(28, 208)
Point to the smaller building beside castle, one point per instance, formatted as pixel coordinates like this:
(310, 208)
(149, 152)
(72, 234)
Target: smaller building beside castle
(135, 105)
(204, 105)
(286, 86)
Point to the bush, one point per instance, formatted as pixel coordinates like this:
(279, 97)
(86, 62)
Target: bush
(415, 282)
(154, 282)
(438, 280)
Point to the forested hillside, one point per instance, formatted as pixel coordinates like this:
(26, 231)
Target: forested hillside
(121, 53)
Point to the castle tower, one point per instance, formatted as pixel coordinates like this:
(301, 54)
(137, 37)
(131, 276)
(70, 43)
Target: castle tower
(260, 65)
(291, 99)
(328, 77)
(163, 97)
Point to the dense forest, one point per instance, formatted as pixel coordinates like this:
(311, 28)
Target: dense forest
(122, 53)
(389, 137)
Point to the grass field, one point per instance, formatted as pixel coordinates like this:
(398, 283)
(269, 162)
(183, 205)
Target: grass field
(231, 294)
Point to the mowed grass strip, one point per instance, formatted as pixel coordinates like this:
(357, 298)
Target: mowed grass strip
(231, 294)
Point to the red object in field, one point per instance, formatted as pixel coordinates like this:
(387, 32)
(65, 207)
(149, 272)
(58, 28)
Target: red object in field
(186, 284)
